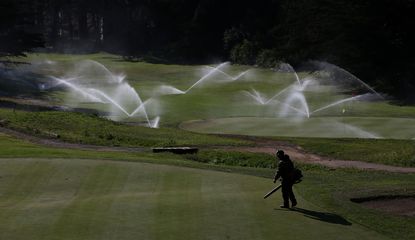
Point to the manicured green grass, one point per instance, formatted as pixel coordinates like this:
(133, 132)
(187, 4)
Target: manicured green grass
(17, 148)
(386, 151)
(318, 127)
(81, 128)
(47, 198)
(92, 199)
(42, 197)
(89, 129)
(217, 97)
(334, 189)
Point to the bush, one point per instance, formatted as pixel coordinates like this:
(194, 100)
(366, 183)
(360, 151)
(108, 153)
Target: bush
(267, 58)
(233, 36)
(244, 53)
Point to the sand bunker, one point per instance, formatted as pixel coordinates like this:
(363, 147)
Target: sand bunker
(398, 205)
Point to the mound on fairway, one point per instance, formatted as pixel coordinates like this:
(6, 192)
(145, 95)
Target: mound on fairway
(327, 127)
(94, 199)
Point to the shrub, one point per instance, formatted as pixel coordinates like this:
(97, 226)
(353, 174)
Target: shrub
(244, 53)
(267, 58)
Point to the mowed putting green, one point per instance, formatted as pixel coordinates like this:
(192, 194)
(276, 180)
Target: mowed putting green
(95, 199)
(327, 127)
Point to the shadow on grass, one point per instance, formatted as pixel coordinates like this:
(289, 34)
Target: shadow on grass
(323, 216)
(320, 216)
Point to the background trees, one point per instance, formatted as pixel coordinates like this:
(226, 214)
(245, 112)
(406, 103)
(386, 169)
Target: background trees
(16, 34)
(374, 39)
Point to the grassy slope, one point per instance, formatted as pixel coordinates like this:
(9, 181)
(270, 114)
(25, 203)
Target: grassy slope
(385, 151)
(94, 199)
(82, 128)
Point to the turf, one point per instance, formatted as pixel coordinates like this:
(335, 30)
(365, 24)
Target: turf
(319, 127)
(118, 195)
(39, 190)
(89, 129)
(92, 199)
(217, 97)
(385, 151)
(334, 189)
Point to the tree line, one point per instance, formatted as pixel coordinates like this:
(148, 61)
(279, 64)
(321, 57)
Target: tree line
(374, 39)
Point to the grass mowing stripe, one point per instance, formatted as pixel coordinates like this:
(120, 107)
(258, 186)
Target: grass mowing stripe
(20, 189)
(231, 205)
(233, 208)
(38, 172)
(88, 211)
(132, 211)
(178, 206)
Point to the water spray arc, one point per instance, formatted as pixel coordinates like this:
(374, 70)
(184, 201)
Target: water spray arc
(206, 76)
(295, 94)
(333, 68)
(82, 87)
(233, 78)
(170, 90)
(95, 83)
(80, 90)
(337, 103)
(89, 72)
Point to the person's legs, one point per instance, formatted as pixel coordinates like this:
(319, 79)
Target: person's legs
(285, 189)
(292, 196)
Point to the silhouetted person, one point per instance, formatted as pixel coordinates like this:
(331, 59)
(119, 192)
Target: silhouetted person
(285, 171)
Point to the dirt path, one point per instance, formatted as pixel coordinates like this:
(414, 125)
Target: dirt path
(302, 156)
(298, 154)
(262, 146)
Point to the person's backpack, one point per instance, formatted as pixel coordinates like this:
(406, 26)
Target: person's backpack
(297, 175)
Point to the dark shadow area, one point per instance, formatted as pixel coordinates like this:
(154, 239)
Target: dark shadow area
(380, 197)
(20, 81)
(16, 105)
(26, 107)
(403, 205)
(323, 216)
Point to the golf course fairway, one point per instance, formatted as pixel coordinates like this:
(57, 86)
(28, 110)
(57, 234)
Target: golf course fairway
(324, 127)
(102, 199)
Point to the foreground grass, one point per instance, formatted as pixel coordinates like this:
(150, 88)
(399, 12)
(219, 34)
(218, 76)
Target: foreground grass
(89, 129)
(73, 198)
(17, 148)
(333, 189)
(91, 199)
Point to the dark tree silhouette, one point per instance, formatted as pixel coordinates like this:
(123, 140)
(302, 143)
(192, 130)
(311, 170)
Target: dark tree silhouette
(374, 39)
(17, 34)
